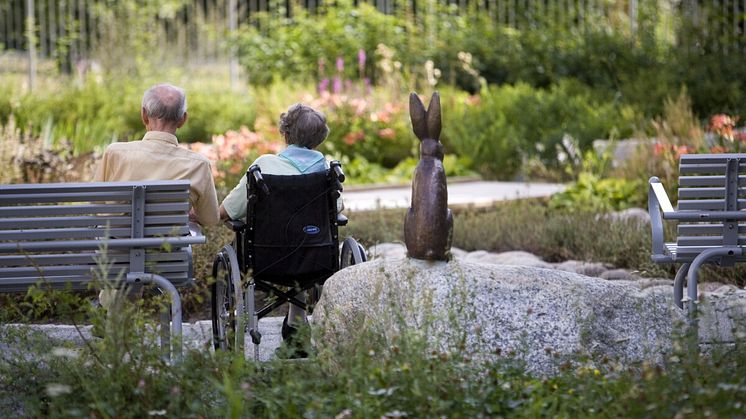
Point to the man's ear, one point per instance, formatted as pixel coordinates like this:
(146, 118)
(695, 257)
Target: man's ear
(144, 117)
(183, 120)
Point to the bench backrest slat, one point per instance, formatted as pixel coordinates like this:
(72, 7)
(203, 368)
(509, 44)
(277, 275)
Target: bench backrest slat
(710, 183)
(56, 232)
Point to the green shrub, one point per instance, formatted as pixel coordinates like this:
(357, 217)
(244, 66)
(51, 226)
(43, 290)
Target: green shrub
(508, 124)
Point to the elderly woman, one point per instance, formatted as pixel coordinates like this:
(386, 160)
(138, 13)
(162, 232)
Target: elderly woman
(304, 129)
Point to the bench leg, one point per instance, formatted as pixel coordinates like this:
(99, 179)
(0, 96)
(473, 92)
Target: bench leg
(678, 284)
(166, 286)
(694, 271)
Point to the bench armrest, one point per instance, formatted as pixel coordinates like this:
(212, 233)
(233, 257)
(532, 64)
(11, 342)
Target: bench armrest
(659, 207)
(235, 225)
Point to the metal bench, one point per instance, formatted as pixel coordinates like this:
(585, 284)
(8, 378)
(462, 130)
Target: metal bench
(710, 214)
(56, 234)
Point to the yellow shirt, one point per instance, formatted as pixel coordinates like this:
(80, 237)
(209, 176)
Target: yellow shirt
(159, 157)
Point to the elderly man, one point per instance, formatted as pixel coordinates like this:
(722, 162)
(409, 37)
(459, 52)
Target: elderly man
(158, 157)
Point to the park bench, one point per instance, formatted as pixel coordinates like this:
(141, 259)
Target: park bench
(56, 236)
(710, 215)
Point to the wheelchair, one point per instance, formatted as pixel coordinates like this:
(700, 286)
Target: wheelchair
(288, 244)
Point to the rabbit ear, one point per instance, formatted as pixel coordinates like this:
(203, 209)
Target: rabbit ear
(418, 114)
(433, 117)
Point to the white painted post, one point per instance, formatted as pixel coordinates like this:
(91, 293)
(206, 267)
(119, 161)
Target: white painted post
(233, 51)
(31, 39)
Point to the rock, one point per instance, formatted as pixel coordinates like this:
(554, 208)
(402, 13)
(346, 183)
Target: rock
(387, 251)
(623, 150)
(618, 274)
(457, 253)
(594, 269)
(507, 258)
(540, 316)
(637, 216)
(655, 282)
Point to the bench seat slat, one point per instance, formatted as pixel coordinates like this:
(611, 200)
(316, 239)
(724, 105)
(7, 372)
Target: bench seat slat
(87, 258)
(87, 233)
(112, 270)
(688, 253)
(75, 282)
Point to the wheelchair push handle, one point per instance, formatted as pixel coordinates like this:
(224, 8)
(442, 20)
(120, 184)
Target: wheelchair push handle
(255, 173)
(337, 173)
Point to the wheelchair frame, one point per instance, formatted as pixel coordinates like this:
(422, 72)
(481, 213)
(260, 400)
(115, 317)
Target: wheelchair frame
(233, 294)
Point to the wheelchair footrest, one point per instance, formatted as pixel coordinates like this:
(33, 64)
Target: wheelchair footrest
(256, 337)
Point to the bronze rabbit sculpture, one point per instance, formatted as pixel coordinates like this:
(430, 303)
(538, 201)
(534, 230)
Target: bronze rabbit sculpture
(428, 226)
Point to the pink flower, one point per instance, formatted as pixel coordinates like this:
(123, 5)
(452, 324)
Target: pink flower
(722, 125)
(387, 133)
(353, 137)
(340, 64)
(683, 149)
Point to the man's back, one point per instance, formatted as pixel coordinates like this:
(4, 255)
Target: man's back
(158, 157)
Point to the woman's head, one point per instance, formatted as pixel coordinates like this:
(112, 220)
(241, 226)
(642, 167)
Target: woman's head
(303, 126)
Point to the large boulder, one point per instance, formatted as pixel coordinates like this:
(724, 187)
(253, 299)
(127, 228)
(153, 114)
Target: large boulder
(541, 316)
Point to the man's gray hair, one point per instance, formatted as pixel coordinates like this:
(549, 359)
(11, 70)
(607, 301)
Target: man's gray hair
(303, 126)
(165, 101)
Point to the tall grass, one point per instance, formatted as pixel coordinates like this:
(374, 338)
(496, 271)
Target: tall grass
(126, 377)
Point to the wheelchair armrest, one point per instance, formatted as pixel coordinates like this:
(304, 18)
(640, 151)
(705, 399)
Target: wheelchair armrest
(235, 225)
(342, 220)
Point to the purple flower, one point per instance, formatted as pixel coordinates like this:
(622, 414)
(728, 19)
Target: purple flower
(323, 85)
(340, 64)
(337, 86)
(361, 59)
(322, 63)
(366, 83)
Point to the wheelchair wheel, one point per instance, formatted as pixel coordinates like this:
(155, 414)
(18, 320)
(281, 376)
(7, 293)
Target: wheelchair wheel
(226, 307)
(352, 253)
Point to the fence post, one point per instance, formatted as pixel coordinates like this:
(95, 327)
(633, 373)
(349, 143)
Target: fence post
(232, 27)
(31, 39)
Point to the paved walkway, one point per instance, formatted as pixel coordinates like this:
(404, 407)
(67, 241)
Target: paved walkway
(197, 335)
(478, 193)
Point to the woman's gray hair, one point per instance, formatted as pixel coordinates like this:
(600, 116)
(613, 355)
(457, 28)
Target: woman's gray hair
(303, 126)
(165, 101)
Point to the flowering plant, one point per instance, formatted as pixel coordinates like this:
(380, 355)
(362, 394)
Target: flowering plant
(728, 138)
(232, 152)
